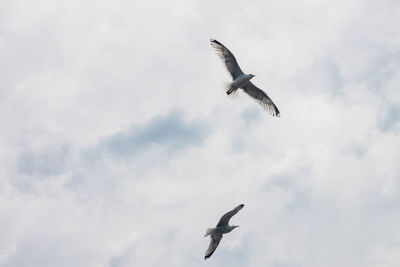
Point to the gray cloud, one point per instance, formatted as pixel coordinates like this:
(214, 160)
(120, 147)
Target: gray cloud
(124, 259)
(43, 163)
(323, 75)
(170, 131)
(252, 115)
(390, 117)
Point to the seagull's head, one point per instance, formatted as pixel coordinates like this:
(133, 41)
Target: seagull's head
(250, 76)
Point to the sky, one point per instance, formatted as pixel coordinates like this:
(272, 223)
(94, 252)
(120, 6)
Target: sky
(119, 146)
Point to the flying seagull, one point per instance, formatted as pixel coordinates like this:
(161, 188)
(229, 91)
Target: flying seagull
(242, 80)
(222, 227)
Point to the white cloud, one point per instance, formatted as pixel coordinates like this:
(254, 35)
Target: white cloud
(119, 147)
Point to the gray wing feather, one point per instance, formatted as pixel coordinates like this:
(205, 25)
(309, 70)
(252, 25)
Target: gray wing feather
(227, 216)
(215, 238)
(228, 58)
(262, 98)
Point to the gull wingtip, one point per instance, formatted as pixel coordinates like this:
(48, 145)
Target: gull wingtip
(213, 41)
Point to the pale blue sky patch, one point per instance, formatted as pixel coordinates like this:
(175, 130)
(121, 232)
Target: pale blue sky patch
(301, 200)
(323, 76)
(43, 163)
(288, 179)
(381, 68)
(170, 131)
(300, 195)
(252, 115)
(239, 144)
(124, 259)
(76, 182)
(390, 117)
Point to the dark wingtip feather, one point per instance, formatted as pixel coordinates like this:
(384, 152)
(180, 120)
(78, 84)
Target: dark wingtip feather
(277, 113)
(215, 41)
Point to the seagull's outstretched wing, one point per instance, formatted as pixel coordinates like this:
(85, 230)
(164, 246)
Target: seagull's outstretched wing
(227, 216)
(228, 58)
(215, 238)
(262, 98)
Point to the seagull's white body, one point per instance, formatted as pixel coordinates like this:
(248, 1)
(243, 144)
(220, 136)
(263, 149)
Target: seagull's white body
(239, 82)
(220, 230)
(222, 227)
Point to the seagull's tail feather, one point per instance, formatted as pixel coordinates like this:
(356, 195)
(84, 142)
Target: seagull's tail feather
(209, 231)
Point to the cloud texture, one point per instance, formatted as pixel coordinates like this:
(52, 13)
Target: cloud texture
(119, 146)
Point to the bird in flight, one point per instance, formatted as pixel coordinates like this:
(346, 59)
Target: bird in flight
(222, 227)
(242, 80)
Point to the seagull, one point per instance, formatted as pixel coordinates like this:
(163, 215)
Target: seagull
(222, 227)
(242, 80)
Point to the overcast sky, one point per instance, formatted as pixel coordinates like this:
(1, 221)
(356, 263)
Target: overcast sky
(119, 146)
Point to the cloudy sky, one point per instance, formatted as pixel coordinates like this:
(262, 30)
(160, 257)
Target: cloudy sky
(119, 147)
